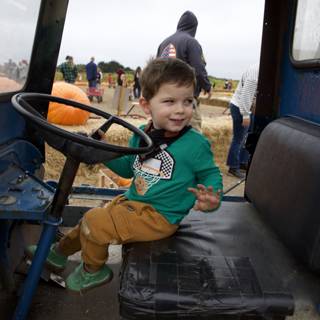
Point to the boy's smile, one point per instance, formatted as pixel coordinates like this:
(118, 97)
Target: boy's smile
(171, 107)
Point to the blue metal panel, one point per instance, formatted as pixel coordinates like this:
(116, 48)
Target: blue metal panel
(23, 196)
(22, 153)
(12, 125)
(300, 87)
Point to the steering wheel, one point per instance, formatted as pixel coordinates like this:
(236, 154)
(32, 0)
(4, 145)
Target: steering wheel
(77, 148)
(87, 149)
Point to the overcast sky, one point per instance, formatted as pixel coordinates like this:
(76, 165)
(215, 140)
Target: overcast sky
(130, 31)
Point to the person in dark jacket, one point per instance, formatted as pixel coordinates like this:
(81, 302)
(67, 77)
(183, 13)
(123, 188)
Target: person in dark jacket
(91, 71)
(183, 45)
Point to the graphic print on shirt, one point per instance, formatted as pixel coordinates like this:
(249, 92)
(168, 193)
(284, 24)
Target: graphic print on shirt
(169, 51)
(149, 172)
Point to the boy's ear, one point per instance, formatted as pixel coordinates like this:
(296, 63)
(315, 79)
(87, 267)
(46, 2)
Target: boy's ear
(145, 105)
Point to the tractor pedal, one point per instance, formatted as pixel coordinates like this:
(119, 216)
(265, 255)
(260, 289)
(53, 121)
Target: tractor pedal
(48, 275)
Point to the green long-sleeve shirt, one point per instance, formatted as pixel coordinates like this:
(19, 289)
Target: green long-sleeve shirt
(163, 181)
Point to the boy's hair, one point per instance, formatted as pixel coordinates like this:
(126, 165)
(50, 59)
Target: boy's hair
(165, 70)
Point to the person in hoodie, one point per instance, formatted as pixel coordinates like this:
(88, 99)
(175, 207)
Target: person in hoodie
(183, 45)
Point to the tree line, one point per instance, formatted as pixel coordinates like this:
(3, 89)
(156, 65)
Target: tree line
(113, 65)
(106, 67)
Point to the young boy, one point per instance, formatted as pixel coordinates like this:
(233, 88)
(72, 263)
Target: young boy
(179, 174)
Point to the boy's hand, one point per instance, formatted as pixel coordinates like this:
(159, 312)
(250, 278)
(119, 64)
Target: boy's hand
(102, 136)
(207, 199)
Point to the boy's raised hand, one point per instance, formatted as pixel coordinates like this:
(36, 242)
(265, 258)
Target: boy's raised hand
(207, 199)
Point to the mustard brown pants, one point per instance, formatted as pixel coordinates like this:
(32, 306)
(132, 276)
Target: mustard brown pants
(121, 221)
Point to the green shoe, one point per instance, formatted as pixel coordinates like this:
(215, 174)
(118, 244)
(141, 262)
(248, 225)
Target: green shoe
(55, 261)
(80, 281)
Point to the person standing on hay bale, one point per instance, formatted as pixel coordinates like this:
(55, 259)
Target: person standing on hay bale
(69, 70)
(110, 81)
(167, 182)
(183, 45)
(119, 73)
(240, 108)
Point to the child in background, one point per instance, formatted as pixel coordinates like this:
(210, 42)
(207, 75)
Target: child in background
(99, 77)
(110, 81)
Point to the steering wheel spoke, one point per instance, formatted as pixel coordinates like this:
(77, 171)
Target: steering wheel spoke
(105, 127)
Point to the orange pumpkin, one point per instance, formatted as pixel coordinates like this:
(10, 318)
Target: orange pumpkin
(63, 114)
(123, 182)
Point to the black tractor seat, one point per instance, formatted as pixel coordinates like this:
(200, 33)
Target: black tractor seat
(248, 260)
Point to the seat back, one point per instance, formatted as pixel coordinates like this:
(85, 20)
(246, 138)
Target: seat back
(283, 183)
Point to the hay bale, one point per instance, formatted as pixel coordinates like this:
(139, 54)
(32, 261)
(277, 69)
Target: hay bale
(218, 130)
(217, 101)
(86, 174)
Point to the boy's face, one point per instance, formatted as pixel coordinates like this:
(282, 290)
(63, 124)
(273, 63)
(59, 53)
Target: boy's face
(171, 107)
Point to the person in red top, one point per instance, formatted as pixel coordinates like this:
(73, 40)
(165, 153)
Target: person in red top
(110, 80)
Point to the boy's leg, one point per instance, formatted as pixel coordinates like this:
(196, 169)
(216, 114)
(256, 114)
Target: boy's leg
(122, 221)
(57, 257)
(92, 272)
(70, 243)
